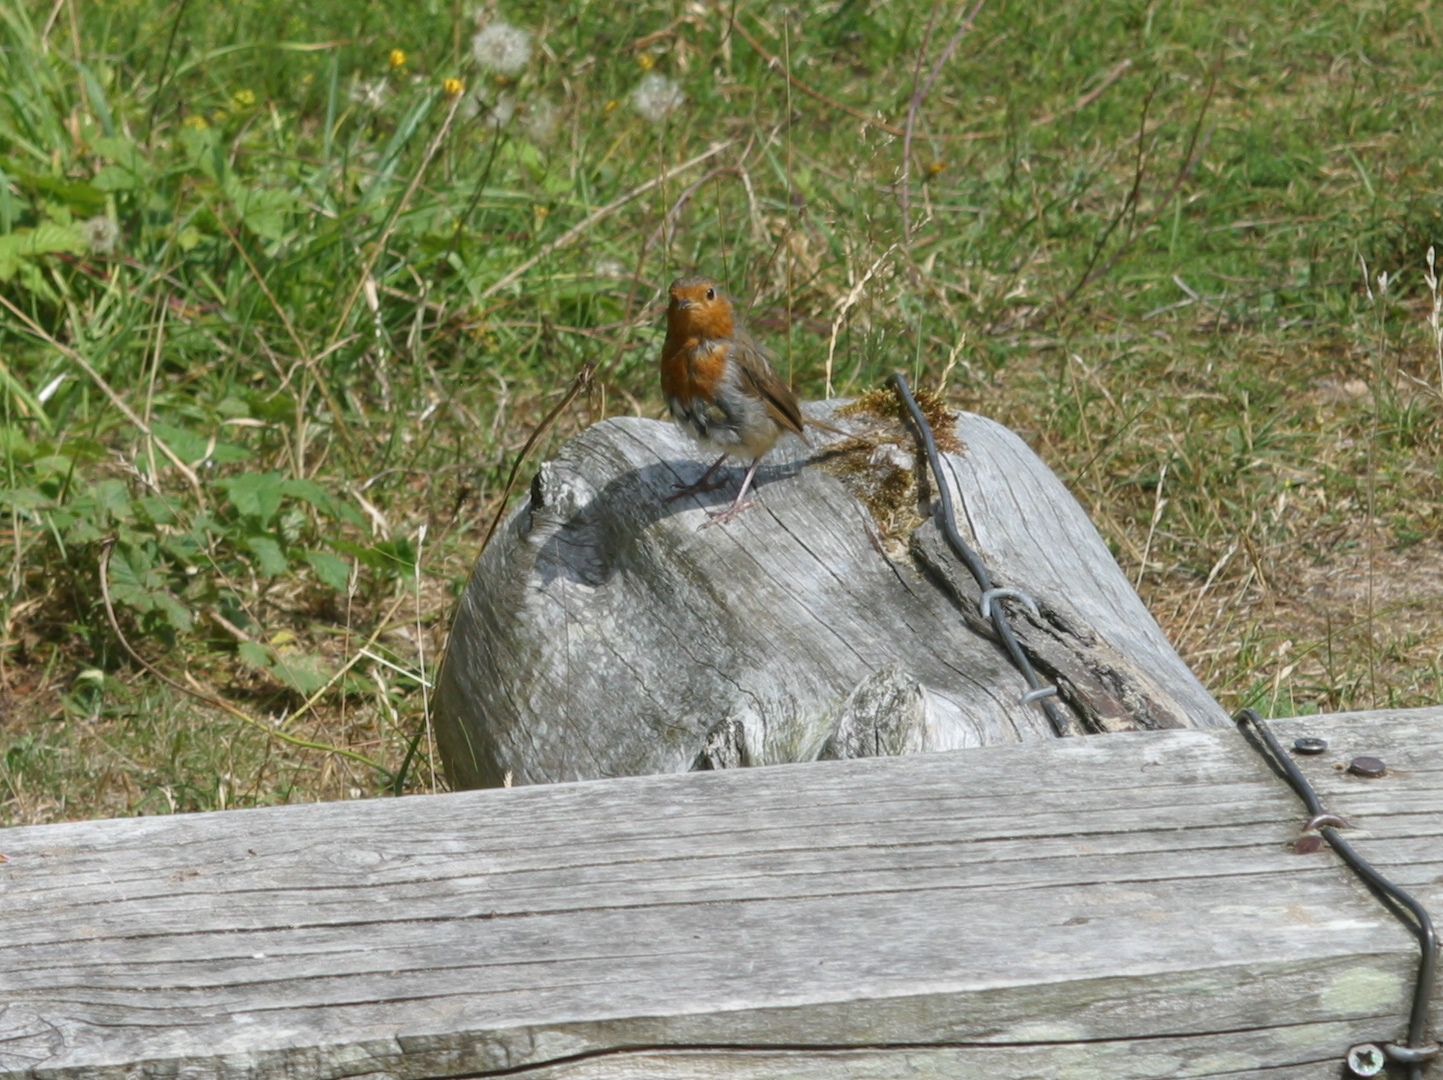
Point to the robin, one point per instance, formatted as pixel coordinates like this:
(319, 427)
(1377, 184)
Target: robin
(720, 386)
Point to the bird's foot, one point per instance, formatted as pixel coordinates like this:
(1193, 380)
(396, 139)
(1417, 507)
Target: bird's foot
(721, 517)
(705, 484)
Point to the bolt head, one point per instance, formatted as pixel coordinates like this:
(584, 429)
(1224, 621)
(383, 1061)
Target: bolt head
(1366, 1059)
(1309, 744)
(1370, 767)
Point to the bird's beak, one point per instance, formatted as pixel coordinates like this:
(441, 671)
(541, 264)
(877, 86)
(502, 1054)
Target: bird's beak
(682, 302)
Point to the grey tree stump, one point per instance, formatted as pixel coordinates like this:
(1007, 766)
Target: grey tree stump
(605, 632)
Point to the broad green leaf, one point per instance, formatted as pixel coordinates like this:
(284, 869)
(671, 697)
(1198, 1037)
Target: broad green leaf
(397, 555)
(30, 499)
(17, 445)
(311, 492)
(330, 569)
(117, 178)
(78, 195)
(130, 579)
(122, 151)
(303, 673)
(264, 210)
(188, 446)
(268, 554)
(176, 613)
(47, 238)
(255, 495)
(114, 496)
(254, 654)
(158, 510)
(276, 408)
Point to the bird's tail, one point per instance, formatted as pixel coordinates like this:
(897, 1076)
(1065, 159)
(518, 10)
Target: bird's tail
(824, 426)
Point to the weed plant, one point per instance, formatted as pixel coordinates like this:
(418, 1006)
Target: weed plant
(287, 286)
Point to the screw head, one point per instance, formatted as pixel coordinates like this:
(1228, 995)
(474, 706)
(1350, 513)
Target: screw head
(1309, 744)
(1370, 767)
(1365, 1059)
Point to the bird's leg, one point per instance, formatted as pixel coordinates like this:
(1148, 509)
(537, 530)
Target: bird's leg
(704, 484)
(718, 517)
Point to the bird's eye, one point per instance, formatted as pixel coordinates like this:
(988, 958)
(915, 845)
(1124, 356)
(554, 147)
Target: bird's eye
(711, 294)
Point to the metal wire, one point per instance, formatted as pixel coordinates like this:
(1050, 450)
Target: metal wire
(1418, 1051)
(1042, 693)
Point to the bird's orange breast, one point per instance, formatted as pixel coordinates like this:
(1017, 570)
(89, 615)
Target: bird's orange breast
(693, 368)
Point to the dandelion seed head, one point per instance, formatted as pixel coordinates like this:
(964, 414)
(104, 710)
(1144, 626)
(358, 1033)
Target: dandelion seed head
(656, 97)
(369, 95)
(502, 111)
(102, 234)
(502, 48)
(541, 117)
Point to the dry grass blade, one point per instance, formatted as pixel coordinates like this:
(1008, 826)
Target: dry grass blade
(338, 416)
(845, 305)
(1118, 71)
(775, 63)
(919, 94)
(109, 391)
(598, 215)
(395, 216)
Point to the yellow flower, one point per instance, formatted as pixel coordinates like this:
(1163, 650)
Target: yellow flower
(243, 98)
(645, 61)
(397, 58)
(934, 167)
(452, 86)
(610, 105)
(195, 120)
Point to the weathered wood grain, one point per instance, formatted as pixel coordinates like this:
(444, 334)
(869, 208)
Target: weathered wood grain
(1121, 906)
(604, 633)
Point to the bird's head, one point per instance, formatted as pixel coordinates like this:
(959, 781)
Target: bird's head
(700, 307)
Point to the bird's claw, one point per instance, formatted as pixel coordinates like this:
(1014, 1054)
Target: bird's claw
(702, 486)
(721, 517)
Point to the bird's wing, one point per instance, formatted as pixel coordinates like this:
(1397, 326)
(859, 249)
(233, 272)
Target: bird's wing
(780, 401)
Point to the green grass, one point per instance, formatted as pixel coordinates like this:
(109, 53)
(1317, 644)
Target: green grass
(291, 391)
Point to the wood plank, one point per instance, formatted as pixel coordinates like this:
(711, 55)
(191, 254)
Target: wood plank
(1116, 906)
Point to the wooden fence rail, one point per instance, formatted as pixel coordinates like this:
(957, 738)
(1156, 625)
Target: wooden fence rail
(1119, 906)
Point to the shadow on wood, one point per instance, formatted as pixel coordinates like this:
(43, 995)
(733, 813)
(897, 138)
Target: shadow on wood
(605, 633)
